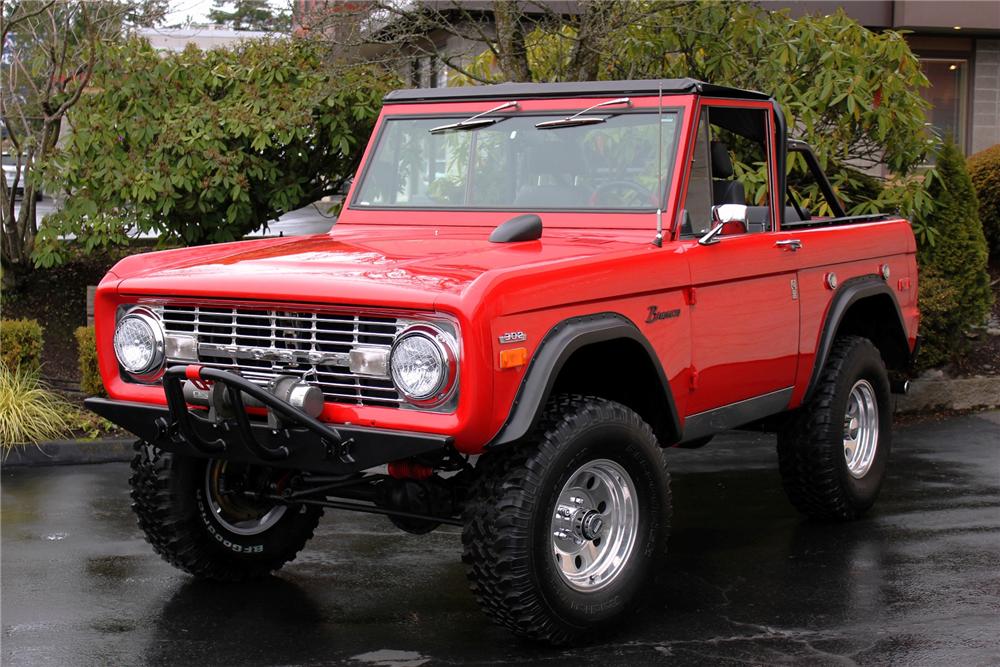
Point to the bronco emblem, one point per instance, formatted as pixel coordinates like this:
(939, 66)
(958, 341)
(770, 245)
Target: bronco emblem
(656, 315)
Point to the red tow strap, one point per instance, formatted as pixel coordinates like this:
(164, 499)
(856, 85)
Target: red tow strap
(193, 372)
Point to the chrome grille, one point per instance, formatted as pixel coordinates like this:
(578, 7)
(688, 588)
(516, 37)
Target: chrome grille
(246, 332)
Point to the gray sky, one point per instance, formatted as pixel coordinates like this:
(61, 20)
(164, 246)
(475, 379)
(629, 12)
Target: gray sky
(198, 10)
(180, 10)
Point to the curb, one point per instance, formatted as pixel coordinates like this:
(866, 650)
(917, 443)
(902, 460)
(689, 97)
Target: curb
(70, 452)
(939, 393)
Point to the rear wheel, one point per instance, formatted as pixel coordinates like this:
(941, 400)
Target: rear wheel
(563, 533)
(206, 517)
(833, 454)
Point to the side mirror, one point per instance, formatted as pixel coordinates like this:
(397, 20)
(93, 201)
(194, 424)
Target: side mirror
(729, 213)
(724, 219)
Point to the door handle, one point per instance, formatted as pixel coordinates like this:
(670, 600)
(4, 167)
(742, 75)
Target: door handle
(789, 244)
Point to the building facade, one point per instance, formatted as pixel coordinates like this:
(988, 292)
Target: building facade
(205, 37)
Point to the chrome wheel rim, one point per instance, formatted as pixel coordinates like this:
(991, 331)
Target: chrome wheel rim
(239, 515)
(594, 525)
(860, 429)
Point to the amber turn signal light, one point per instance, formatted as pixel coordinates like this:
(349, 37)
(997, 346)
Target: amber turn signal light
(514, 357)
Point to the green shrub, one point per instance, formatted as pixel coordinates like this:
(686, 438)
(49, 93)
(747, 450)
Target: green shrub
(29, 413)
(984, 170)
(90, 375)
(958, 256)
(940, 321)
(21, 344)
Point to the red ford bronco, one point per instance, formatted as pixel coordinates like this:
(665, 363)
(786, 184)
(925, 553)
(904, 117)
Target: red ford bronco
(532, 289)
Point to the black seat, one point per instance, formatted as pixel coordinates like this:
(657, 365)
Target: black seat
(550, 179)
(725, 190)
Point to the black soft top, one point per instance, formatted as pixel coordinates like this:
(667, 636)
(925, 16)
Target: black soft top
(517, 91)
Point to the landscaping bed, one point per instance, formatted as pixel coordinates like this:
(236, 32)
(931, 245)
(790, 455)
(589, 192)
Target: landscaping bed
(57, 299)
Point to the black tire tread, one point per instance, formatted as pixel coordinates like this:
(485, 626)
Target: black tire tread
(809, 471)
(497, 520)
(178, 539)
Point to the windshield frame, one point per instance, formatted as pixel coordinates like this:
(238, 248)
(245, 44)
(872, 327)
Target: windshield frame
(670, 162)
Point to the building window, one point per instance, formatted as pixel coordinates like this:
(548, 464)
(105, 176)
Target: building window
(946, 95)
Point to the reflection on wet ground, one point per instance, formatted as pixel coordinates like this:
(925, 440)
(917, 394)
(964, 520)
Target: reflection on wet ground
(747, 580)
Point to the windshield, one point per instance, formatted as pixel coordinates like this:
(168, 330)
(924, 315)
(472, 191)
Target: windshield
(513, 165)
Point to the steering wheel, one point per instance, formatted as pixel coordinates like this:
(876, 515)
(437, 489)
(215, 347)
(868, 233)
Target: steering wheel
(644, 193)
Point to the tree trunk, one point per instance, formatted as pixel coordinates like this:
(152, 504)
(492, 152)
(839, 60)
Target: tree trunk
(594, 20)
(20, 230)
(513, 55)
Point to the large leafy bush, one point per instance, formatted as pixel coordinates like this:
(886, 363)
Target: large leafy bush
(203, 147)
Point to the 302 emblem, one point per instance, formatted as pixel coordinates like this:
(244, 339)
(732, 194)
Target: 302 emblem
(512, 337)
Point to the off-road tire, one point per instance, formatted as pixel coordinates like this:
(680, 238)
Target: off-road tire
(811, 444)
(168, 497)
(507, 538)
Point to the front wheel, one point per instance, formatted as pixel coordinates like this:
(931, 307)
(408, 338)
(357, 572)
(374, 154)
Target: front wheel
(205, 516)
(833, 454)
(563, 533)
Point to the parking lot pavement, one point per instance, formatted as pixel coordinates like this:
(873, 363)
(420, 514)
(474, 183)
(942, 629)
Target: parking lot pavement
(747, 580)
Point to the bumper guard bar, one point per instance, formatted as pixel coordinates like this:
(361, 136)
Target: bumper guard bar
(235, 386)
(293, 440)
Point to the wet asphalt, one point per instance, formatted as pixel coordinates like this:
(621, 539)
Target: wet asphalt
(747, 580)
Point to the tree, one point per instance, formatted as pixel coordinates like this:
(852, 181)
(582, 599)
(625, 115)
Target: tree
(395, 31)
(50, 52)
(250, 15)
(204, 147)
(854, 95)
(955, 286)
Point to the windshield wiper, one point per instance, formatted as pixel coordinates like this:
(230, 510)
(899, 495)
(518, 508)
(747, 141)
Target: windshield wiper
(579, 119)
(475, 121)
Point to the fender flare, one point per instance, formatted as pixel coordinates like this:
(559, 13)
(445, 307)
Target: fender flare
(555, 349)
(850, 292)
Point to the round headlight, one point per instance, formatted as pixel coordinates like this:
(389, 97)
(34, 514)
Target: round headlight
(422, 364)
(139, 342)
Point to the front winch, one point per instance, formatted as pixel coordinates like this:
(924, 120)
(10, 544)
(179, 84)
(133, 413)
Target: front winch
(288, 388)
(227, 394)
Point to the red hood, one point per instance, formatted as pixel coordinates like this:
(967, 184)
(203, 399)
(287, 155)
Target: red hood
(352, 264)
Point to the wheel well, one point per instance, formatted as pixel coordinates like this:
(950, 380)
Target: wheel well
(876, 318)
(620, 370)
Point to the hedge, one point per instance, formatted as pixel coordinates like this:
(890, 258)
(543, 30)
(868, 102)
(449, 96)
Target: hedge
(939, 303)
(21, 345)
(90, 375)
(984, 170)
